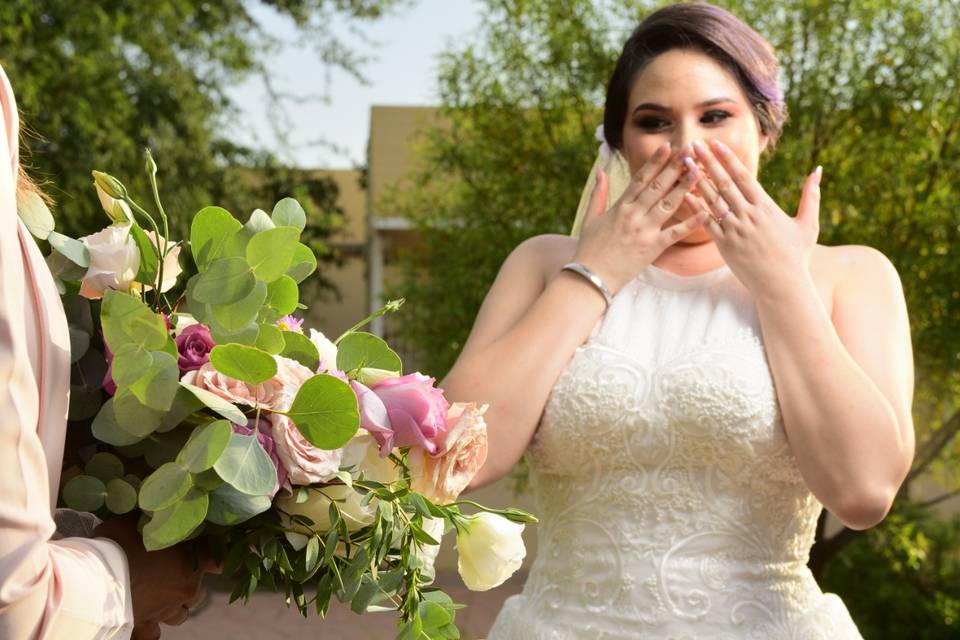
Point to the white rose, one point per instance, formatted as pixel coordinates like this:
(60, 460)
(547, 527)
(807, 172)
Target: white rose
(317, 508)
(327, 350)
(114, 261)
(363, 454)
(118, 210)
(491, 550)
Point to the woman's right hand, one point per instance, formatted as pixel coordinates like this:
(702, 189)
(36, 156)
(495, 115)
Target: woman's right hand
(617, 244)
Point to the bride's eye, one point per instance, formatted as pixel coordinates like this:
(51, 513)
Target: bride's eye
(715, 117)
(651, 123)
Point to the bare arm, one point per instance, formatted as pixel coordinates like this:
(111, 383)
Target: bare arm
(845, 386)
(525, 333)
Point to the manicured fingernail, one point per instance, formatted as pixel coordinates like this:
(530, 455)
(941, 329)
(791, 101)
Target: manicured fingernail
(819, 173)
(663, 150)
(699, 148)
(690, 165)
(719, 146)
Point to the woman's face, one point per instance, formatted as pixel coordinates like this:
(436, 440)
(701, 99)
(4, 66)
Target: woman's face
(684, 95)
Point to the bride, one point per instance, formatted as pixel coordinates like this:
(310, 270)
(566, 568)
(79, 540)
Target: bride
(692, 376)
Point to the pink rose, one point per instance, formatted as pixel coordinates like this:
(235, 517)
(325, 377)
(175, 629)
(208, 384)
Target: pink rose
(194, 345)
(406, 411)
(276, 393)
(268, 444)
(442, 477)
(305, 464)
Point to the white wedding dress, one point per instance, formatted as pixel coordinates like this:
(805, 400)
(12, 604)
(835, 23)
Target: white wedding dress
(670, 504)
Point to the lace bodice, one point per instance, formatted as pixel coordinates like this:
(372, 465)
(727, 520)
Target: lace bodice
(670, 502)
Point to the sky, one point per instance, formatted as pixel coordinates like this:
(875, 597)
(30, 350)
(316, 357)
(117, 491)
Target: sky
(402, 71)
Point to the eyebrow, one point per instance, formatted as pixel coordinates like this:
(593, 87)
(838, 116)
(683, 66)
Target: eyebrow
(652, 106)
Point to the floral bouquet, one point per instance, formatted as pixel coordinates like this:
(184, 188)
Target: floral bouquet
(311, 466)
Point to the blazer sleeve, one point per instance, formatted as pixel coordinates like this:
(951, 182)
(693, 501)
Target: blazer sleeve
(74, 588)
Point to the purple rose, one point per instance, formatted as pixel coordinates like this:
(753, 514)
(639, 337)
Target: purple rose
(266, 441)
(194, 345)
(407, 411)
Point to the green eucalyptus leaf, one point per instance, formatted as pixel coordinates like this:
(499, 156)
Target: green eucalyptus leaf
(205, 446)
(217, 404)
(73, 250)
(361, 349)
(106, 428)
(105, 466)
(126, 320)
(289, 213)
(158, 386)
(238, 315)
(36, 214)
(303, 264)
(270, 339)
(236, 245)
(259, 221)
(246, 466)
(162, 448)
(210, 230)
(133, 416)
(229, 507)
(84, 403)
(245, 336)
(299, 347)
(201, 311)
(80, 323)
(175, 523)
(226, 280)
(207, 480)
(149, 262)
(369, 589)
(247, 364)
(64, 268)
(130, 363)
(165, 486)
(121, 496)
(270, 253)
(283, 295)
(84, 493)
(79, 343)
(184, 403)
(326, 412)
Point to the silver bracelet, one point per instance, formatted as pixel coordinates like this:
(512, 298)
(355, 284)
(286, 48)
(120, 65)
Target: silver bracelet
(591, 277)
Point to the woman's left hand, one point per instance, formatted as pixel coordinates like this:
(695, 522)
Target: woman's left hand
(761, 244)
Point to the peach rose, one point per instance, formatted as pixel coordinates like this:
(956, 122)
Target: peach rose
(276, 393)
(305, 464)
(443, 476)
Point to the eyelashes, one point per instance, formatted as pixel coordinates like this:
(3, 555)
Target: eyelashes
(653, 124)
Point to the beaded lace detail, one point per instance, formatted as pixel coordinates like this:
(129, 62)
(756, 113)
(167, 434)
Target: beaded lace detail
(670, 503)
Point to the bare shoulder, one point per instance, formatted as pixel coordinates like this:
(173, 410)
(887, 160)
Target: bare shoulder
(545, 252)
(854, 269)
(854, 261)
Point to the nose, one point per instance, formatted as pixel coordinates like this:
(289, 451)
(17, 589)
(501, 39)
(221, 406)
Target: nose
(683, 136)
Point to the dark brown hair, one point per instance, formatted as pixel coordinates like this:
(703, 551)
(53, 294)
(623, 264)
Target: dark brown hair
(718, 34)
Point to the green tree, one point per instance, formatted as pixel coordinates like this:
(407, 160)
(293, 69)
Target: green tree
(873, 96)
(99, 81)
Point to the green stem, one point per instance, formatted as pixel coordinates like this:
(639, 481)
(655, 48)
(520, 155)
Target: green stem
(393, 305)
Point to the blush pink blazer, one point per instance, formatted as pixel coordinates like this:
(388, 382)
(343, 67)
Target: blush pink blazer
(73, 588)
